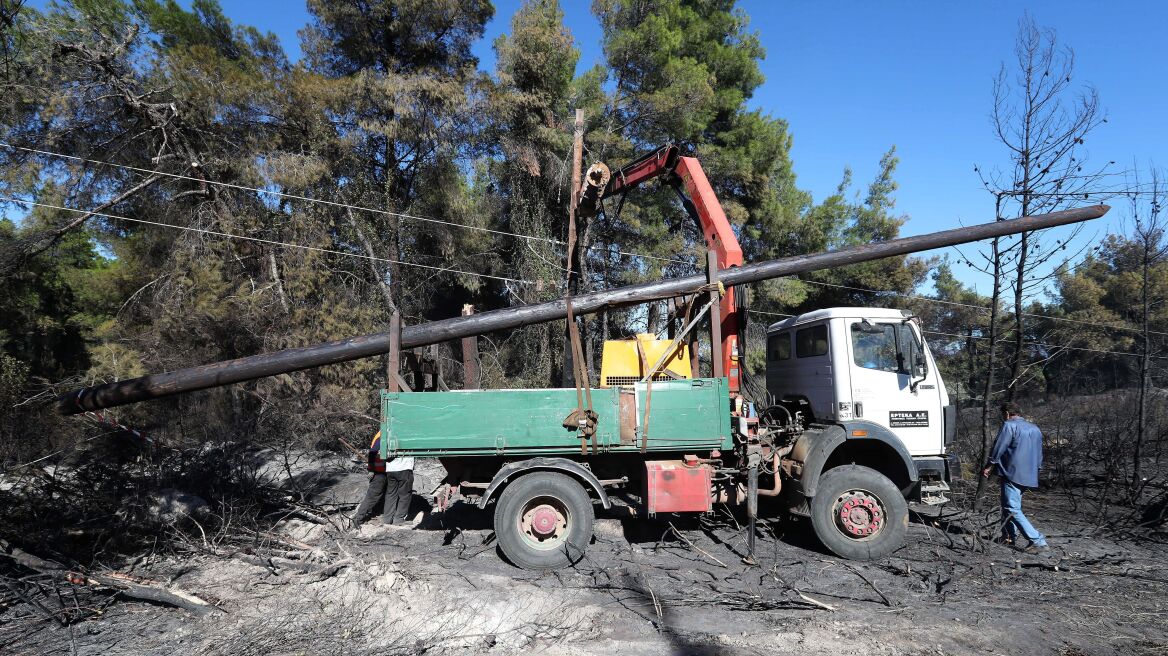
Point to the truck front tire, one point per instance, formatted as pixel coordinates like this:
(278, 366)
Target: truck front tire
(858, 513)
(543, 520)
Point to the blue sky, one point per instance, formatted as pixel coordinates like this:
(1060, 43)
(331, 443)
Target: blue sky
(855, 78)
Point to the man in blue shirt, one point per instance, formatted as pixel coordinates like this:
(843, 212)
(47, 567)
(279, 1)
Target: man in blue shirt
(1017, 455)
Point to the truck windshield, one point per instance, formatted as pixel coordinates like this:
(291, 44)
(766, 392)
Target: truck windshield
(874, 346)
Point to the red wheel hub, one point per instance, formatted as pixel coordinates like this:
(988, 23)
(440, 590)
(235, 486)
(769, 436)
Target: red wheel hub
(859, 514)
(544, 520)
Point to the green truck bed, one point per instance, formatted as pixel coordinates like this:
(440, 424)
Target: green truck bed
(684, 415)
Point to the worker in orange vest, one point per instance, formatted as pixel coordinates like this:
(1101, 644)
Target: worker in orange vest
(392, 482)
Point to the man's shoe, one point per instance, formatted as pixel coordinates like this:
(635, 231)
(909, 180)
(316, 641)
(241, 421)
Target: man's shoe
(1037, 549)
(370, 526)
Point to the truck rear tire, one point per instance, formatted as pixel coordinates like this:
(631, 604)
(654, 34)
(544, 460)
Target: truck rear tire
(543, 520)
(858, 513)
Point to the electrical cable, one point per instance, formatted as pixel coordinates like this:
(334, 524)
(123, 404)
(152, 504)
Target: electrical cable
(1042, 344)
(267, 241)
(331, 203)
(493, 231)
(1051, 346)
(978, 307)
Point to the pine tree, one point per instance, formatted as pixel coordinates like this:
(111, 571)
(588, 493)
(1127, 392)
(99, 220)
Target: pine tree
(398, 83)
(681, 72)
(530, 102)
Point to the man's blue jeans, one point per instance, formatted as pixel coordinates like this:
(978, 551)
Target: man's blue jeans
(1013, 520)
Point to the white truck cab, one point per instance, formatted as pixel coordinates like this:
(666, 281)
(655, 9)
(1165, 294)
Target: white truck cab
(869, 372)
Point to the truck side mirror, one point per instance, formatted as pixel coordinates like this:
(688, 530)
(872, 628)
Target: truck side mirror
(915, 363)
(920, 365)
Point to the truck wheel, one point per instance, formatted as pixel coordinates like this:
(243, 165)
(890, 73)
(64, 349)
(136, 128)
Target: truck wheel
(858, 513)
(543, 521)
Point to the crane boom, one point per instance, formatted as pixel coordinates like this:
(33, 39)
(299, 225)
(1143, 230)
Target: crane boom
(269, 364)
(686, 176)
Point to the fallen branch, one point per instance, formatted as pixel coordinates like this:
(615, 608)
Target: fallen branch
(35, 604)
(1069, 568)
(176, 598)
(774, 572)
(811, 601)
(656, 603)
(887, 601)
(28, 560)
(123, 584)
(307, 516)
(694, 546)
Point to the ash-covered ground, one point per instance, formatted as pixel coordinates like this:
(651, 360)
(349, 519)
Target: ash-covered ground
(311, 585)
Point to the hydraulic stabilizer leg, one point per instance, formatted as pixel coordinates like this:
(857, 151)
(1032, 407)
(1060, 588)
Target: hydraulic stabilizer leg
(751, 507)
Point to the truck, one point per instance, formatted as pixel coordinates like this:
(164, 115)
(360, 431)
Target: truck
(854, 422)
(860, 425)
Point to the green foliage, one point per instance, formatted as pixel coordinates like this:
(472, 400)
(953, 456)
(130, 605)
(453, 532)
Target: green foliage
(55, 304)
(387, 112)
(839, 222)
(14, 386)
(956, 324)
(1106, 288)
(687, 67)
(394, 84)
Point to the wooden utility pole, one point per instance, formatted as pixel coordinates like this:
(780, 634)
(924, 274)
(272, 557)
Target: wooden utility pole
(573, 259)
(470, 355)
(715, 316)
(393, 364)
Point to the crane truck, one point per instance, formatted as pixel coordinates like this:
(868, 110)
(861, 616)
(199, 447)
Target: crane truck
(854, 423)
(856, 420)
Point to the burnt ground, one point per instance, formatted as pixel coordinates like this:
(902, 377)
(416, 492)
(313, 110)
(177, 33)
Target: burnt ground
(672, 586)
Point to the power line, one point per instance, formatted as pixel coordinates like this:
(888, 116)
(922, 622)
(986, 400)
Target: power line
(452, 270)
(773, 314)
(1043, 344)
(978, 307)
(330, 203)
(478, 228)
(1099, 194)
(268, 241)
(1056, 346)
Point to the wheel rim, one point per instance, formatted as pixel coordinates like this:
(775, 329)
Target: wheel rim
(544, 523)
(859, 514)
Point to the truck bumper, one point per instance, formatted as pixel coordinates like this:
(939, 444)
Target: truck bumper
(937, 467)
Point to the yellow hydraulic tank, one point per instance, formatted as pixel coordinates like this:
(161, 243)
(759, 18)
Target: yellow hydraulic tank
(623, 363)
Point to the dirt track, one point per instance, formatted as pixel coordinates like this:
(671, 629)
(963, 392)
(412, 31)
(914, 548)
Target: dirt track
(442, 588)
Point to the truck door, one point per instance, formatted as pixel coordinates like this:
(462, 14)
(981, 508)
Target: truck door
(812, 374)
(883, 357)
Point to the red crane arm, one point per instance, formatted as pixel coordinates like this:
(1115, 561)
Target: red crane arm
(687, 175)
